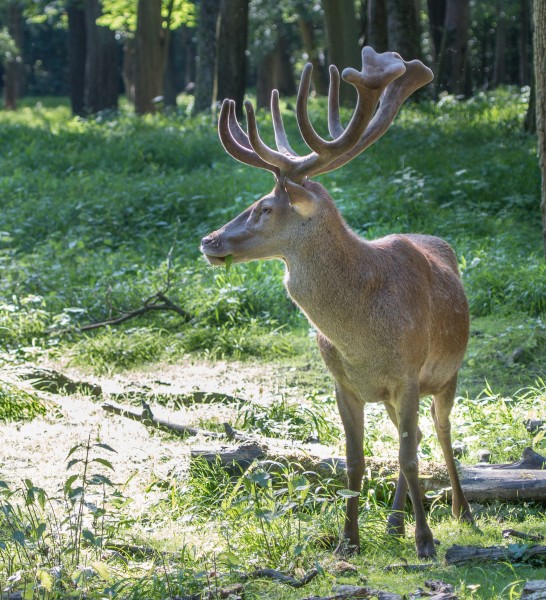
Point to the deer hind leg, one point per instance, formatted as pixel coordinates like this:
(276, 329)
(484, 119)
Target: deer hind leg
(351, 410)
(441, 409)
(408, 416)
(395, 522)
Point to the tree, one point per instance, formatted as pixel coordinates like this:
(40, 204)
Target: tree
(11, 51)
(377, 35)
(101, 66)
(403, 28)
(206, 55)
(146, 27)
(150, 42)
(539, 54)
(453, 70)
(343, 32)
(76, 55)
(232, 43)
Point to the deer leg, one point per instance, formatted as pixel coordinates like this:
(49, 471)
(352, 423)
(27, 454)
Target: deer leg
(351, 410)
(408, 416)
(441, 408)
(395, 522)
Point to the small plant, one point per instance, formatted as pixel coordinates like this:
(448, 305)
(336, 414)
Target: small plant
(19, 405)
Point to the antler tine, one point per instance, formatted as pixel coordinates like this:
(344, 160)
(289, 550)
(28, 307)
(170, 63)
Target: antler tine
(236, 130)
(233, 146)
(334, 123)
(378, 70)
(278, 126)
(416, 76)
(267, 154)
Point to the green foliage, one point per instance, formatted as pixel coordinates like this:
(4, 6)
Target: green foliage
(9, 52)
(18, 405)
(121, 15)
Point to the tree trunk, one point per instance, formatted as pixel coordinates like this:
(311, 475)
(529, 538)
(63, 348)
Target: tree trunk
(265, 79)
(232, 42)
(14, 68)
(524, 36)
(307, 33)
(437, 19)
(403, 28)
(206, 56)
(342, 30)
(76, 57)
(149, 64)
(453, 60)
(101, 64)
(377, 35)
(500, 46)
(539, 52)
(170, 79)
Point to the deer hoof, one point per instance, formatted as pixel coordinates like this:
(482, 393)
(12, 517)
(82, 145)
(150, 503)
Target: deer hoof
(426, 549)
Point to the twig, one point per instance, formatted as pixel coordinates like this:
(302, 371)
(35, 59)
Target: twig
(151, 303)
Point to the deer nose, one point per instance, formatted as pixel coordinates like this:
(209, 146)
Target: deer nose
(208, 240)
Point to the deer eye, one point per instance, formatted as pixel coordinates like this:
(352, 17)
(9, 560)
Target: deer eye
(266, 210)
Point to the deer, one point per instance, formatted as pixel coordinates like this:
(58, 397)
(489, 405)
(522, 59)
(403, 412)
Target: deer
(391, 314)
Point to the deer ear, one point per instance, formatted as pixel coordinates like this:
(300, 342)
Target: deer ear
(302, 199)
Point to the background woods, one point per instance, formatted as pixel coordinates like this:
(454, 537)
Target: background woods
(156, 49)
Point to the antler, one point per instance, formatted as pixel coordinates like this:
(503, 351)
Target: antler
(385, 79)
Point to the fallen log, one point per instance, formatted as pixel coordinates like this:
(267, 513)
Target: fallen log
(534, 590)
(53, 382)
(515, 553)
(177, 399)
(146, 417)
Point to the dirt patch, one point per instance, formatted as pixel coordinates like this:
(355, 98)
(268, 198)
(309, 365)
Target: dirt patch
(38, 450)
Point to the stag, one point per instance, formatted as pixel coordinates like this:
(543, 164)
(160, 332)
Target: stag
(391, 314)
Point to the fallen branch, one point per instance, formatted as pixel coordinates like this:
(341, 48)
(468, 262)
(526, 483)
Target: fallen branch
(281, 577)
(181, 399)
(354, 591)
(522, 536)
(515, 553)
(158, 301)
(146, 417)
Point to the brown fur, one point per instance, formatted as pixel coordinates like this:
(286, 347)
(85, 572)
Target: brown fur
(392, 319)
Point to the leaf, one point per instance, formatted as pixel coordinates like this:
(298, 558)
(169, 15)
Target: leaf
(68, 483)
(102, 569)
(260, 478)
(104, 462)
(98, 479)
(347, 493)
(40, 530)
(105, 447)
(73, 462)
(73, 449)
(231, 559)
(19, 537)
(89, 536)
(46, 580)
(228, 261)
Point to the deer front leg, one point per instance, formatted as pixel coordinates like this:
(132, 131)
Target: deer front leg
(408, 416)
(351, 410)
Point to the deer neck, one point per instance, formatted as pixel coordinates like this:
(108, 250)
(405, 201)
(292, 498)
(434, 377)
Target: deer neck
(326, 271)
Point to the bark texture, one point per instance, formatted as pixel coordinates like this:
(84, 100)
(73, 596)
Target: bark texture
(343, 31)
(14, 68)
(206, 55)
(101, 65)
(377, 35)
(539, 52)
(149, 64)
(403, 28)
(232, 42)
(76, 57)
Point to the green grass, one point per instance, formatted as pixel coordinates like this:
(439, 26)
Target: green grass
(100, 214)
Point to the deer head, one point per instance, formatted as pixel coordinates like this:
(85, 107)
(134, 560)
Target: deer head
(266, 227)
